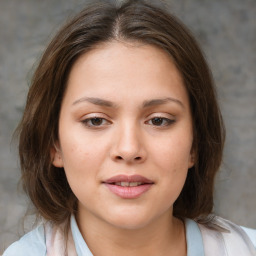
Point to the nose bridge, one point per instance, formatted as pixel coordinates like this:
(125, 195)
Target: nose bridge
(129, 143)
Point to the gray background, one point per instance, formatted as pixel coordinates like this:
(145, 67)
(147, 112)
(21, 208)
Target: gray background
(226, 30)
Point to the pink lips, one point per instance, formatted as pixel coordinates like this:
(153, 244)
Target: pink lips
(118, 185)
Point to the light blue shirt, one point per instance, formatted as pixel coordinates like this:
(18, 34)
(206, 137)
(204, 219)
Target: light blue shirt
(33, 243)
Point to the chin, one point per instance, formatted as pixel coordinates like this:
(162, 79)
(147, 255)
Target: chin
(129, 220)
(129, 224)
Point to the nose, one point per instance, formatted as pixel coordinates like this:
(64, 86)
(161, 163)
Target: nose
(128, 145)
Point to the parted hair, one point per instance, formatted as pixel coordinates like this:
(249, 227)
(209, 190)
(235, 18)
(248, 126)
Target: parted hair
(100, 22)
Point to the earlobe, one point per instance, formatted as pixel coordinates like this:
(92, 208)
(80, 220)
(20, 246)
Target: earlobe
(56, 157)
(192, 157)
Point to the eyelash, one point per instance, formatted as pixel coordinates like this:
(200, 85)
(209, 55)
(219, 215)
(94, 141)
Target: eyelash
(168, 121)
(86, 122)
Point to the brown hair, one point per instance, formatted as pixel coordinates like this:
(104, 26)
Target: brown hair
(139, 21)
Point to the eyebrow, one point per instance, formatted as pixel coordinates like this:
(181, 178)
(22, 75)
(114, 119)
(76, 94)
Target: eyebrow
(96, 101)
(156, 102)
(145, 104)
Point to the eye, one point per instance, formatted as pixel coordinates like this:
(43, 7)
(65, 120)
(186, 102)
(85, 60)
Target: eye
(160, 121)
(95, 122)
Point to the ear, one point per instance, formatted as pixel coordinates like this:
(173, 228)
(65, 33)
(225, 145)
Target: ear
(192, 158)
(56, 156)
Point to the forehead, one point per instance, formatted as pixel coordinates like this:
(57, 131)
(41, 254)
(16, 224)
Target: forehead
(118, 68)
(121, 55)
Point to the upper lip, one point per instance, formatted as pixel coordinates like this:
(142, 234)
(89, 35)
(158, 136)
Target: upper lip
(128, 178)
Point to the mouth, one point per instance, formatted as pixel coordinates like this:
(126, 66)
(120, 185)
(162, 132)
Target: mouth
(127, 184)
(128, 187)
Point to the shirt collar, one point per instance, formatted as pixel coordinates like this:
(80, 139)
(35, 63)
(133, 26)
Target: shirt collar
(195, 246)
(81, 246)
(193, 236)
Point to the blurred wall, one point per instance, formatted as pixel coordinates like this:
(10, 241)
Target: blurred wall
(227, 33)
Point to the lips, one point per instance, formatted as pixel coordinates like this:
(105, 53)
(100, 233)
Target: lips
(128, 187)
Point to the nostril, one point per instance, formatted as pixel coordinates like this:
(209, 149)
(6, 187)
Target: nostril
(138, 158)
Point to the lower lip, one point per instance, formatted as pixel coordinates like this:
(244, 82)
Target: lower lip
(128, 192)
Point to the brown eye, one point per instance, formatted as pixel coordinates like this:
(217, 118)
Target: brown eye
(160, 121)
(95, 122)
(157, 121)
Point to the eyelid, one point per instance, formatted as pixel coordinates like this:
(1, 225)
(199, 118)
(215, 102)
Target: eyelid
(87, 118)
(170, 120)
(95, 115)
(161, 115)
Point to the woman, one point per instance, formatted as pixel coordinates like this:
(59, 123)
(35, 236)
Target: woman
(121, 139)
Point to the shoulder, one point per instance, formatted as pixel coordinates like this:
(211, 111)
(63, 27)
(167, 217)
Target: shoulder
(31, 244)
(247, 234)
(227, 238)
(251, 233)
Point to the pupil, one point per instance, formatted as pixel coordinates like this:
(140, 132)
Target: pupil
(96, 121)
(157, 121)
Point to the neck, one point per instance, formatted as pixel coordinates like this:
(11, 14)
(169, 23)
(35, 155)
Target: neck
(164, 236)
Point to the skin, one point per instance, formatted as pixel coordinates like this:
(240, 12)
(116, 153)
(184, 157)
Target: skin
(127, 138)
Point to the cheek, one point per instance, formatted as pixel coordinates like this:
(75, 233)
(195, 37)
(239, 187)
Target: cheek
(79, 143)
(172, 162)
(172, 159)
(82, 164)
(172, 155)
(81, 156)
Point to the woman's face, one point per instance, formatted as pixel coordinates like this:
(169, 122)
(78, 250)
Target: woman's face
(125, 134)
